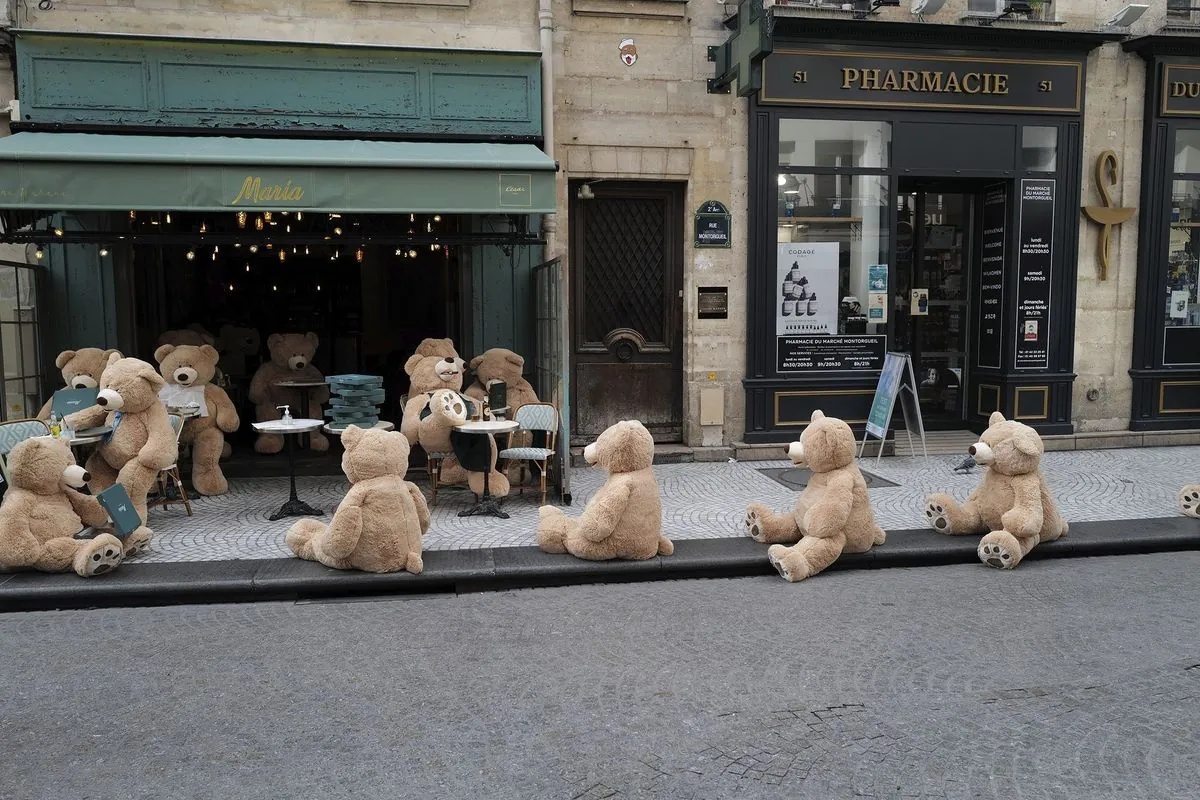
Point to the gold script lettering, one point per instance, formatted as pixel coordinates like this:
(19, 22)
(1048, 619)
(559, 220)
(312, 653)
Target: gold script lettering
(254, 191)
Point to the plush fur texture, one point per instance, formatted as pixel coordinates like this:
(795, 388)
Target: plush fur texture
(499, 364)
(42, 511)
(379, 524)
(1012, 504)
(832, 515)
(80, 370)
(141, 446)
(435, 365)
(624, 517)
(236, 344)
(448, 410)
(291, 359)
(194, 335)
(196, 366)
(1189, 500)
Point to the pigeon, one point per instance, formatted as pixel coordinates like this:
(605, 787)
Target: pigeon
(966, 465)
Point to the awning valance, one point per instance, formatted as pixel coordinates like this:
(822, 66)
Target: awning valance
(109, 172)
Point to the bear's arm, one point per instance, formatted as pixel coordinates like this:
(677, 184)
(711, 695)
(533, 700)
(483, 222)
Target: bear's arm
(260, 384)
(602, 514)
(45, 412)
(1024, 519)
(87, 418)
(422, 507)
(88, 508)
(830, 514)
(345, 529)
(222, 408)
(161, 449)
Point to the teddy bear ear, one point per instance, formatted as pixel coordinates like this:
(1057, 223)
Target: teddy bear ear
(995, 419)
(114, 358)
(476, 361)
(515, 360)
(208, 351)
(410, 366)
(151, 376)
(1028, 444)
(274, 339)
(63, 358)
(312, 339)
(109, 353)
(351, 436)
(163, 352)
(816, 415)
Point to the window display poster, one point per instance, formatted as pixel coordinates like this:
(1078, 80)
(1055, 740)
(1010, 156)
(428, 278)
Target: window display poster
(807, 289)
(877, 307)
(920, 303)
(1035, 259)
(1179, 303)
(877, 275)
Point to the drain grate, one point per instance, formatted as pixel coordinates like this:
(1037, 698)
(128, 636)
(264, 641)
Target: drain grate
(797, 478)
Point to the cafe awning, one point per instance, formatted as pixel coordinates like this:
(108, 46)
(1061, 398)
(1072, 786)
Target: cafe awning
(111, 172)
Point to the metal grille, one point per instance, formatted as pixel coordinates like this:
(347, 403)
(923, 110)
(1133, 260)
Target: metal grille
(624, 267)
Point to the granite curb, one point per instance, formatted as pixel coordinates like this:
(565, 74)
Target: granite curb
(506, 568)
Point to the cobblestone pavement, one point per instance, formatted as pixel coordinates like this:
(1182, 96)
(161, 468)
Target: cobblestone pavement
(700, 501)
(1073, 678)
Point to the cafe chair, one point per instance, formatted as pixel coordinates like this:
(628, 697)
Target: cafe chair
(170, 476)
(433, 461)
(535, 418)
(13, 433)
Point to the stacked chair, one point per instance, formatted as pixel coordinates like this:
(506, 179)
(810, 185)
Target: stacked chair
(354, 400)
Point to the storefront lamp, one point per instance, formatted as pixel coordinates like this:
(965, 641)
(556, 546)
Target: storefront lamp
(253, 248)
(412, 253)
(103, 252)
(39, 254)
(191, 255)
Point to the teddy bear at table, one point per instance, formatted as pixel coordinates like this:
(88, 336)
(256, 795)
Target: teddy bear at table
(623, 519)
(142, 442)
(434, 365)
(291, 360)
(503, 365)
(832, 515)
(191, 369)
(1189, 500)
(236, 343)
(42, 512)
(379, 523)
(80, 370)
(446, 411)
(194, 335)
(1012, 504)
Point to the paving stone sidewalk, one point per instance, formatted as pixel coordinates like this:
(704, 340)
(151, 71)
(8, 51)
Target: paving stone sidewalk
(700, 501)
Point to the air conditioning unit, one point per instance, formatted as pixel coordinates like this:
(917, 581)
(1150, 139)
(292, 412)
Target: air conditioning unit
(985, 8)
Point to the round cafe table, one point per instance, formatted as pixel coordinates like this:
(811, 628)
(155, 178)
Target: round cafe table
(487, 503)
(301, 386)
(294, 507)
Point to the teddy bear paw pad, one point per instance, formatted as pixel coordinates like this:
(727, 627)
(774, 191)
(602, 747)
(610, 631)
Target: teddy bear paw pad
(103, 560)
(755, 527)
(939, 518)
(996, 556)
(779, 566)
(454, 407)
(1189, 501)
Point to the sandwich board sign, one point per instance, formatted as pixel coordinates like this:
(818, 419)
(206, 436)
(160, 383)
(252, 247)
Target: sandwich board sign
(896, 382)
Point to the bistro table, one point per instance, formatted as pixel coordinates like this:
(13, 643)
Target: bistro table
(85, 436)
(487, 503)
(294, 507)
(381, 425)
(301, 386)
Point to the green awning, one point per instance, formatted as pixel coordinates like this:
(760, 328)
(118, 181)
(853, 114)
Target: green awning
(110, 172)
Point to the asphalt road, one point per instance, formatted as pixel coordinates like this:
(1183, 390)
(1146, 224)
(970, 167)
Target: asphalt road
(1076, 678)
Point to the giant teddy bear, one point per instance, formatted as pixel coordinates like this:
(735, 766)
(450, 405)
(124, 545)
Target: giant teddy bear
(832, 515)
(291, 360)
(194, 335)
(80, 370)
(1012, 504)
(434, 365)
(237, 343)
(1189, 500)
(190, 367)
(42, 512)
(624, 517)
(379, 523)
(499, 364)
(142, 442)
(446, 411)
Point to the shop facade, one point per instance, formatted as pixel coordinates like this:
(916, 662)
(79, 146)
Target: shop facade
(1166, 346)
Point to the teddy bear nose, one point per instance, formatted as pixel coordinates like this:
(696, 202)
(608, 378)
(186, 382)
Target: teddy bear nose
(449, 360)
(971, 450)
(101, 400)
(87, 477)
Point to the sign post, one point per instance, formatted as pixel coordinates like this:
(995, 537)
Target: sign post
(893, 386)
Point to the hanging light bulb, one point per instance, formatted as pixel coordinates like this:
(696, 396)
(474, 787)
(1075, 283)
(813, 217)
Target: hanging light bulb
(412, 217)
(214, 255)
(58, 231)
(274, 288)
(258, 223)
(437, 217)
(103, 251)
(216, 249)
(282, 255)
(399, 252)
(337, 231)
(253, 248)
(358, 255)
(293, 251)
(39, 253)
(270, 246)
(241, 219)
(191, 255)
(288, 228)
(429, 227)
(434, 247)
(267, 216)
(231, 287)
(168, 217)
(132, 214)
(318, 287)
(204, 227)
(305, 249)
(247, 266)
(299, 215)
(412, 253)
(237, 245)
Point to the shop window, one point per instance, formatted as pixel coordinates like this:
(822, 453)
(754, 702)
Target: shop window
(834, 143)
(1183, 256)
(22, 389)
(1187, 151)
(1039, 148)
(851, 212)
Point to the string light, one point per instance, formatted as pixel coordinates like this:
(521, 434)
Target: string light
(253, 248)
(247, 266)
(429, 227)
(434, 248)
(335, 216)
(204, 227)
(412, 217)
(267, 216)
(282, 255)
(103, 252)
(337, 231)
(241, 219)
(412, 253)
(191, 255)
(132, 214)
(274, 288)
(58, 231)
(288, 228)
(168, 217)
(437, 217)
(258, 223)
(399, 252)
(231, 287)
(216, 249)
(305, 249)
(318, 287)
(39, 254)
(358, 255)
(299, 215)
(214, 255)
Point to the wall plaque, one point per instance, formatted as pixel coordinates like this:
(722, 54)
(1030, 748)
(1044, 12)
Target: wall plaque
(712, 302)
(1180, 90)
(713, 225)
(921, 80)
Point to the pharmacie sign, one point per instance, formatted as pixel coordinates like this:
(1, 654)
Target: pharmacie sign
(910, 80)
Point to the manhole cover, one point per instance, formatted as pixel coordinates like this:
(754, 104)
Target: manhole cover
(796, 478)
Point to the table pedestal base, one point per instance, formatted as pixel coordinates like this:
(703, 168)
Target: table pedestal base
(486, 505)
(295, 508)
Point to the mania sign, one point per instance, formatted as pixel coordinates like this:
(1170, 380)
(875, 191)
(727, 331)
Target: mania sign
(255, 192)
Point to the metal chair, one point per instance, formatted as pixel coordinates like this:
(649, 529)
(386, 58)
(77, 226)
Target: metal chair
(535, 417)
(13, 433)
(171, 474)
(433, 461)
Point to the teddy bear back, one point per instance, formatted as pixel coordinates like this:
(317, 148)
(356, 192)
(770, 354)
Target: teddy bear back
(828, 443)
(625, 447)
(373, 453)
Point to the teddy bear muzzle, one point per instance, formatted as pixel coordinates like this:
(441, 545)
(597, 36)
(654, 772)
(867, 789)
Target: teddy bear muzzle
(981, 453)
(84, 382)
(184, 376)
(448, 368)
(109, 399)
(589, 454)
(297, 362)
(795, 452)
(76, 476)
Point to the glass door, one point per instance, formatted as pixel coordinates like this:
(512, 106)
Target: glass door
(933, 231)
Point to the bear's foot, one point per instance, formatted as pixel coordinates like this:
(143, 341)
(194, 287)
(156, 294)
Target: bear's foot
(299, 538)
(552, 530)
(788, 562)
(665, 546)
(451, 406)
(98, 556)
(1000, 549)
(414, 564)
(209, 482)
(1189, 500)
(938, 515)
(268, 443)
(137, 542)
(318, 442)
(756, 522)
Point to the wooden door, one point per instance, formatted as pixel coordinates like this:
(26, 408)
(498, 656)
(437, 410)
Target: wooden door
(626, 282)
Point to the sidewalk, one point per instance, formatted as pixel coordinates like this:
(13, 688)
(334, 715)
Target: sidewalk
(229, 550)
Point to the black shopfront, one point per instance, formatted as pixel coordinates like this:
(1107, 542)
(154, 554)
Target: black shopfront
(1166, 342)
(921, 199)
